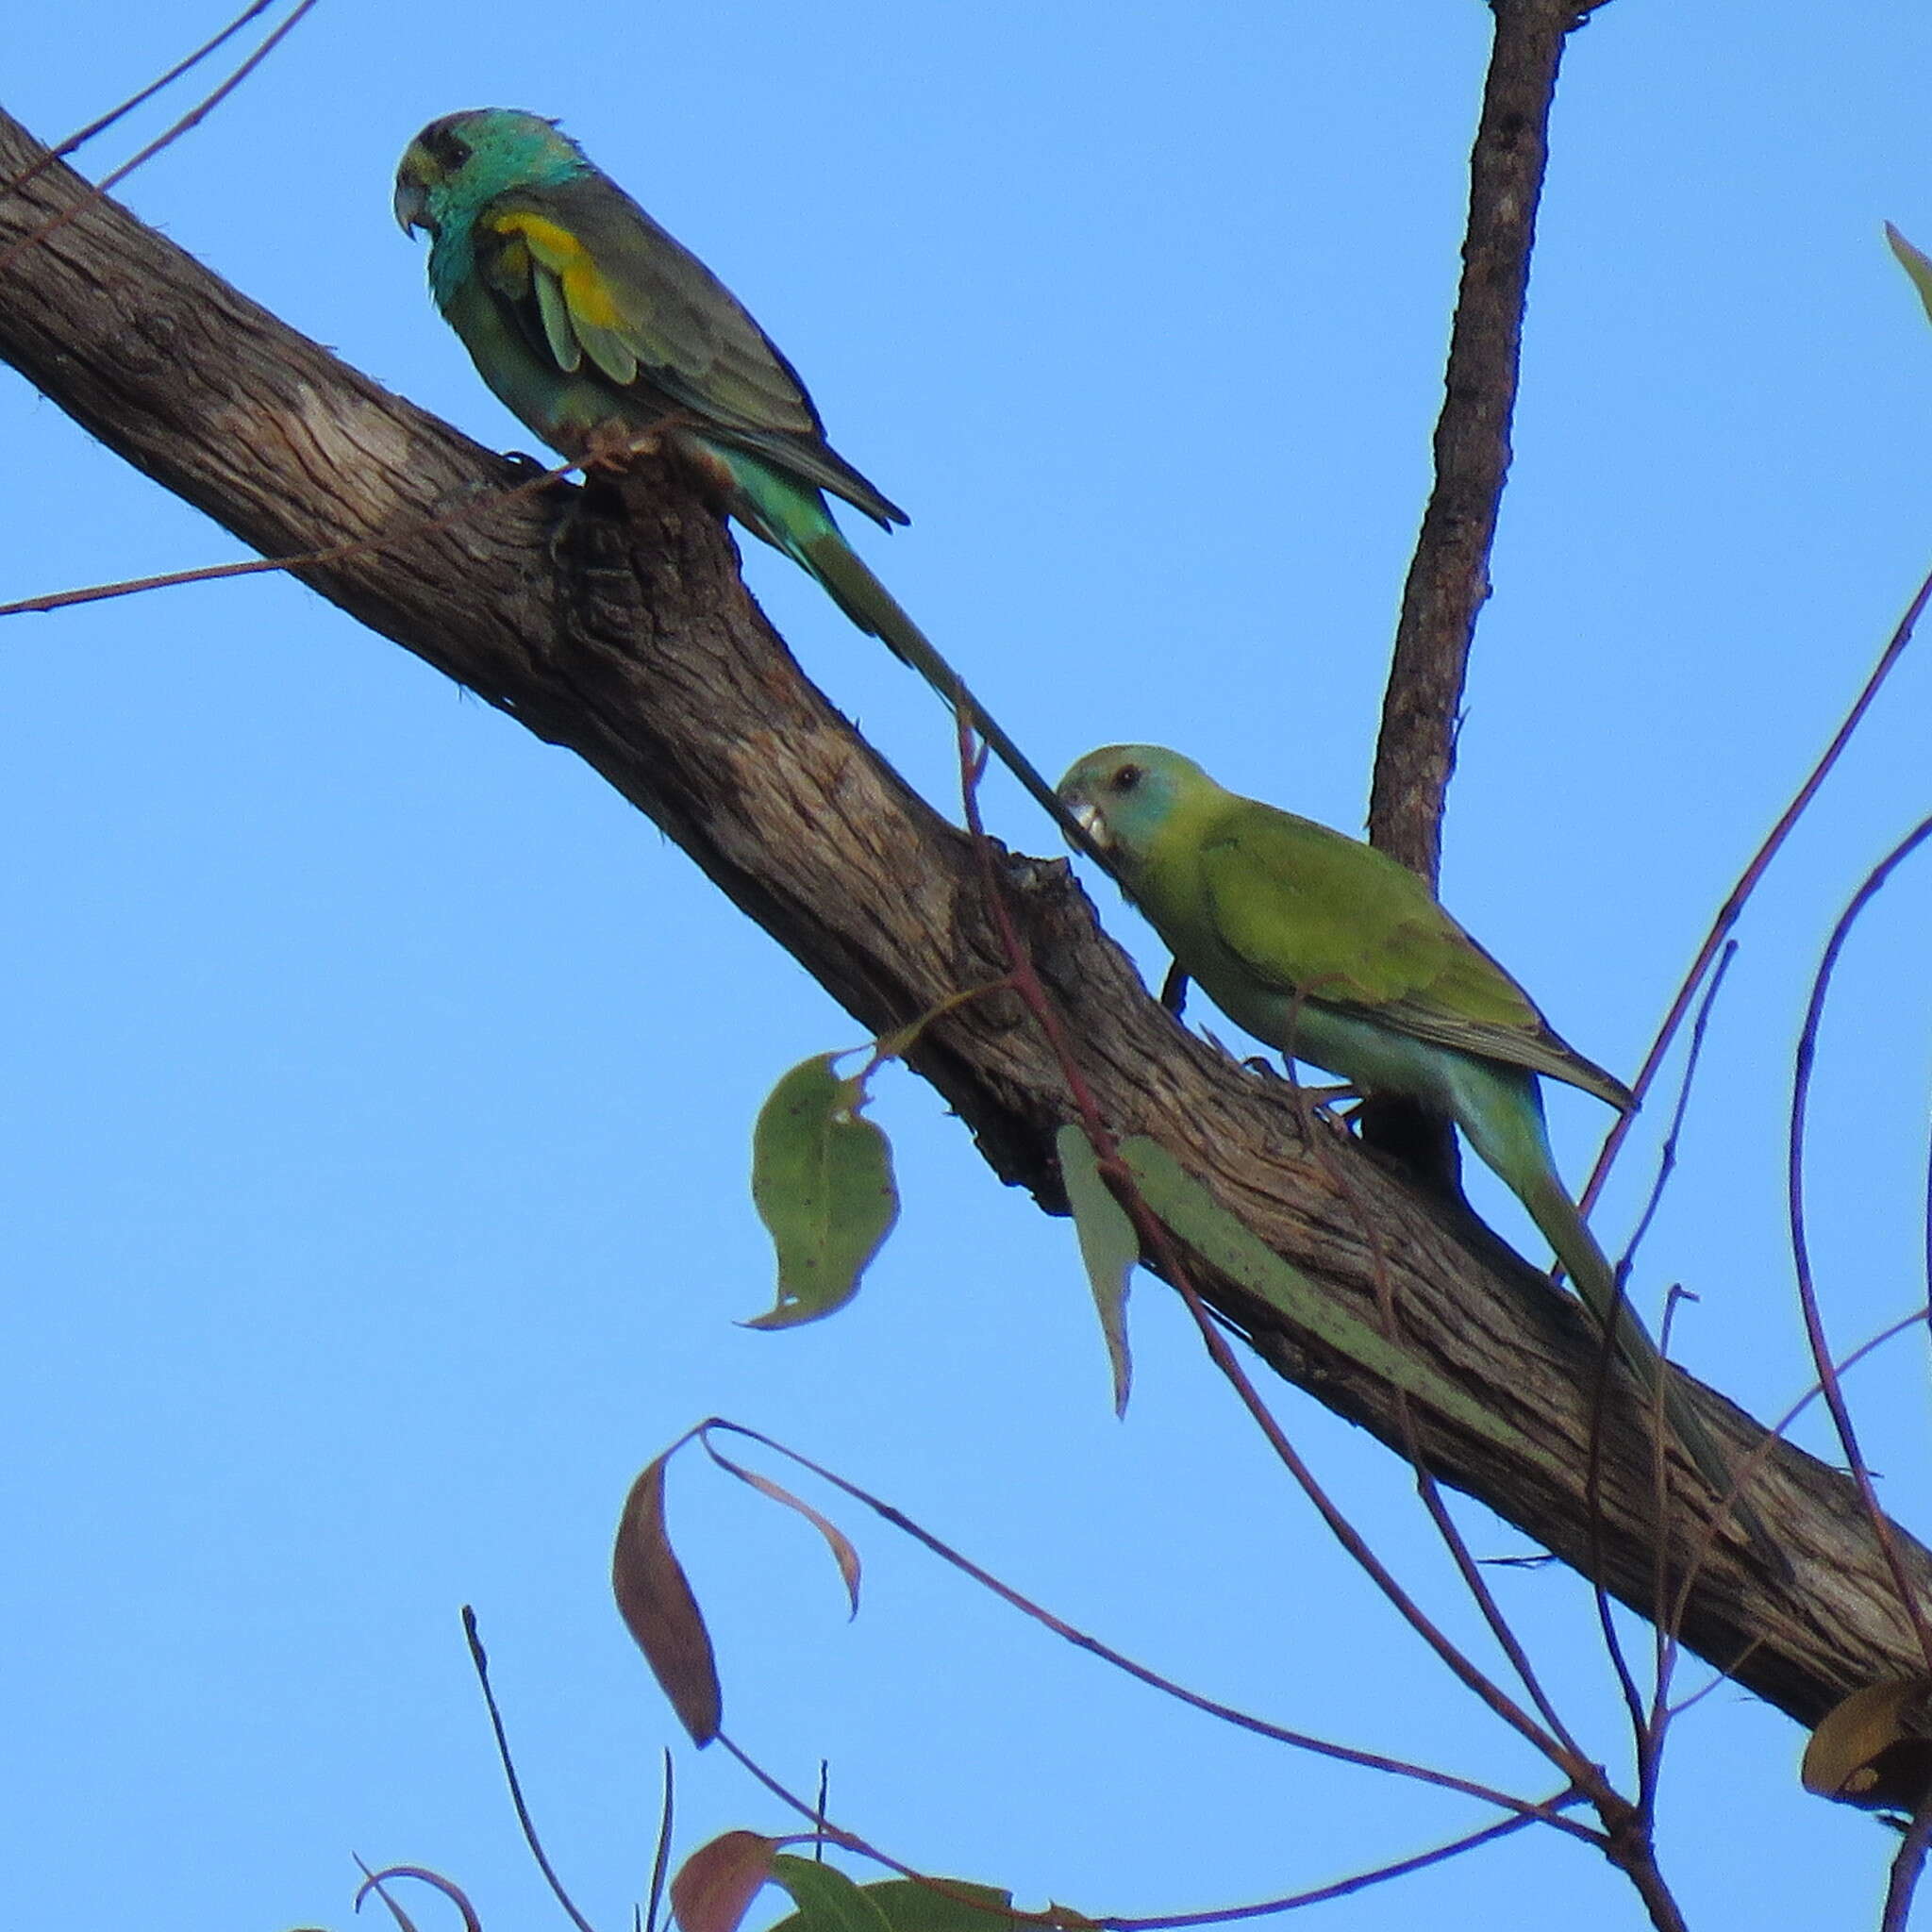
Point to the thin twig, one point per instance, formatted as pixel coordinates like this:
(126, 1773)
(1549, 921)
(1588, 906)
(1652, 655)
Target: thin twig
(1593, 1491)
(1093, 1646)
(1633, 1859)
(1801, 1254)
(372, 1881)
(102, 122)
(524, 1820)
(826, 1832)
(1427, 1489)
(1650, 1719)
(252, 566)
(1651, 1738)
(1732, 910)
(1907, 1869)
(1351, 1540)
(1667, 1157)
(1340, 1887)
(1759, 1452)
(1226, 1915)
(193, 118)
(1928, 1232)
(660, 1862)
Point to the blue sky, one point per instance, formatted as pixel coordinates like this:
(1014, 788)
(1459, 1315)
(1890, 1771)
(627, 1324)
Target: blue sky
(378, 1086)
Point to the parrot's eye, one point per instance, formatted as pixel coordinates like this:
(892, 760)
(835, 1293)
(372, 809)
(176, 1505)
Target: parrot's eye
(446, 148)
(1127, 777)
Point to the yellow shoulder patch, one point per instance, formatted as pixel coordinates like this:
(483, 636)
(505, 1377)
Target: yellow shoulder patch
(569, 261)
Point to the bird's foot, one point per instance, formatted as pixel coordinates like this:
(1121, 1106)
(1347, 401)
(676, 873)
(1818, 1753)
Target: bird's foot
(614, 446)
(1338, 1105)
(1323, 1099)
(611, 447)
(1332, 1097)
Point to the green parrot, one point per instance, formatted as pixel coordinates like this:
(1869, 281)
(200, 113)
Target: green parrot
(599, 330)
(1338, 956)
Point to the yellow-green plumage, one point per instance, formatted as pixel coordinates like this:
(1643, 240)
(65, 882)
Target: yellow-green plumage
(1338, 956)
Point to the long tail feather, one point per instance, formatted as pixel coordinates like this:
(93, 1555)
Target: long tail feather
(876, 611)
(1501, 1110)
(793, 516)
(1564, 1228)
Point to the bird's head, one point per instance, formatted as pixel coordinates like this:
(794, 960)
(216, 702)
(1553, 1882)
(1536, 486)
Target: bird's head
(457, 163)
(1125, 793)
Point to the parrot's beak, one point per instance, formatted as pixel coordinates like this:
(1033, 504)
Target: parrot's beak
(1087, 817)
(411, 203)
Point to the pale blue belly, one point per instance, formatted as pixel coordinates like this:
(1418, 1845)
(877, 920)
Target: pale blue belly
(1498, 1105)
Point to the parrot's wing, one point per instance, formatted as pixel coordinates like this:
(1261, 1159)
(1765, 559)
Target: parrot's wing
(595, 278)
(591, 279)
(1306, 910)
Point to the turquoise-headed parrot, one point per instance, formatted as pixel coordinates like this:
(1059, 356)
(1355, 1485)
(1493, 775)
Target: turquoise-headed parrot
(599, 330)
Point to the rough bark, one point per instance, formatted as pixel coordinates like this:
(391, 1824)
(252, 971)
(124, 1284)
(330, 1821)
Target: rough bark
(614, 622)
(1449, 576)
(1448, 580)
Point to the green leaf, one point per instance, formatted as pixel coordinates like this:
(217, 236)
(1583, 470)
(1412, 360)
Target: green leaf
(911, 1906)
(827, 1901)
(1239, 1251)
(1109, 1246)
(821, 1179)
(1915, 263)
(907, 1905)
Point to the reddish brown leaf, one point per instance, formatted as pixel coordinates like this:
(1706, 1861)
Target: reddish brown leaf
(653, 1597)
(836, 1539)
(715, 1886)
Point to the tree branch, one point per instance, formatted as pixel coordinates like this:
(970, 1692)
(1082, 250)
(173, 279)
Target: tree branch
(1449, 576)
(613, 622)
